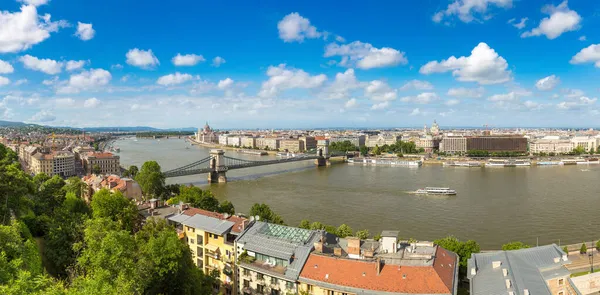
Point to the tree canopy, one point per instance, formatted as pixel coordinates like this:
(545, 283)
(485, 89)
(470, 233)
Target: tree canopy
(264, 212)
(515, 246)
(151, 179)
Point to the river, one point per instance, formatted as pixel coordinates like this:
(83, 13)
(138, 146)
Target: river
(493, 206)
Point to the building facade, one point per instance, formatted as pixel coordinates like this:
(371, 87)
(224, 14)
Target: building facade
(381, 139)
(108, 163)
(291, 145)
(207, 135)
(547, 145)
(249, 142)
(267, 143)
(61, 163)
(308, 142)
(357, 140)
(127, 186)
(453, 144)
(493, 143)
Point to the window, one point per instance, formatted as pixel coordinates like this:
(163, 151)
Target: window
(260, 276)
(274, 281)
(289, 285)
(329, 292)
(260, 288)
(246, 284)
(561, 282)
(199, 239)
(561, 293)
(274, 292)
(309, 288)
(246, 272)
(192, 241)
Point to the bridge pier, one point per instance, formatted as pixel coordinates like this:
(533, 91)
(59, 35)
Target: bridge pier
(217, 166)
(323, 153)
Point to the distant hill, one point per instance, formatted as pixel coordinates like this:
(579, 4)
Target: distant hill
(12, 124)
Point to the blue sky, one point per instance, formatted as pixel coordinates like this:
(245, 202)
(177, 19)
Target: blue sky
(305, 64)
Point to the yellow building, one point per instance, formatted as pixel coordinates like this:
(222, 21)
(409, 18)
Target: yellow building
(211, 238)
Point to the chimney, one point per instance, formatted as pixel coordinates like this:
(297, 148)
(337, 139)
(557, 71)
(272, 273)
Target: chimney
(473, 271)
(378, 261)
(353, 246)
(319, 247)
(505, 272)
(508, 284)
(368, 253)
(496, 264)
(337, 251)
(526, 292)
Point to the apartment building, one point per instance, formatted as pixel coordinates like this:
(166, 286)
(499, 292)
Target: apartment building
(248, 141)
(291, 145)
(453, 144)
(308, 142)
(272, 256)
(108, 162)
(357, 140)
(551, 144)
(211, 237)
(127, 186)
(61, 163)
(497, 143)
(381, 139)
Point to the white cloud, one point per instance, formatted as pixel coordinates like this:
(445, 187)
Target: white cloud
(73, 65)
(5, 67)
(583, 38)
(43, 116)
(85, 31)
(417, 85)
(380, 91)
(91, 103)
(365, 56)
(294, 27)
(532, 105)
(380, 106)
(423, 98)
(415, 112)
(50, 82)
(452, 102)
(45, 65)
(520, 25)
(144, 59)
(4, 81)
(466, 92)
(547, 83)
(512, 96)
(224, 84)
(561, 20)
(187, 60)
(341, 87)
(577, 103)
(282, 78)
(20, 82)
(340, 39)
(21, 30)
(34, 2)
(590, 54)
(174, 79)
(483, 66)
(86, 80)
(350, 103)
(469, 10)
(218, 61)
(116, 67)
(572, 93)
(64, 102)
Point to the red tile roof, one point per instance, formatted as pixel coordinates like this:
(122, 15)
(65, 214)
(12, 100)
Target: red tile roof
(104, 155)
(238, 227)
(362, 274)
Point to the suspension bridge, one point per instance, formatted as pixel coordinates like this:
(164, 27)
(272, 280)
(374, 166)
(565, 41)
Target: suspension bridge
(217, 164)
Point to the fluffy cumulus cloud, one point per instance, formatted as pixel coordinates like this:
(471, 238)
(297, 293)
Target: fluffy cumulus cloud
(590, 54)
(466, 92)
(380, 91)
(341, 87)
(452, 102)
(74, 65)
(21, 30)
(380, 106)
(45, 65)
(5, 67)
(144, 59)
(174, 79)
(415, 112)
(512, 96)
(470, 10)
(483, 66)
(225, 83)
(576, 103)
(350, 103)
(365, 56)
(86, 80)
(43, 117)
(34, 2)
(91, 103)
(417, 85)
(294, 27)
(4, 81)
(519, 25)
(423, 98)
(560, 20)
(64, 102)
(218, 61)
(187, 59)
(548, 83)
(282, 77)
(85, 31)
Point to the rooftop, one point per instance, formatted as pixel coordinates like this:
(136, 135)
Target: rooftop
(238, 221)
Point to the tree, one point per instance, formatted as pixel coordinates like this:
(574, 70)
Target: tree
(305, 224)
(317, 226)
(344, 231)
(579, 150)
(515, 246)
(362, 234)
(598, 245)
(463, 249)
(343, 146)
(377, 237)
(198, 198)
(227, 207)
(49, 196)
(566, 250)
(15, 188)
(151, 179)
(75, 185)
(364, 150)
(377, 150)
(116, 207)
(133, 171)
(18, 254)
(96, 169)
(264, 212)
(583, 249)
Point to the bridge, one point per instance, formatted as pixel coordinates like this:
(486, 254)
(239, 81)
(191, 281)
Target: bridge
(217, 164)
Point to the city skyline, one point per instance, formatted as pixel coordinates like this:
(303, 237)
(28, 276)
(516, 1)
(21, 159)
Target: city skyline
(279, 65)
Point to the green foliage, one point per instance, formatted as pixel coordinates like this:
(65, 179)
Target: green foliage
(364, 150)
(227, 207)
(566, 250)
(305, 224)
(317, 226)
(265, 213)
(15, 187)
(75, 185)
(362, 234)
(344, 231)
(96, 169)
(583, 249)
(598, 245)
(18, 253)
(49, 196)
(579, 150)
(514, 246)
(463, 249)
(202, 199)
(343, 146)
(151, 179)
(106, 204)
(133, 171)
(376, 150)
(377, 237)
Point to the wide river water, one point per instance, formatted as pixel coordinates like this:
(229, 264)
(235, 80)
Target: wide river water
(493, 206)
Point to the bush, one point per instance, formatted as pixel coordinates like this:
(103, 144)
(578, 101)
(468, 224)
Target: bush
(583, 249)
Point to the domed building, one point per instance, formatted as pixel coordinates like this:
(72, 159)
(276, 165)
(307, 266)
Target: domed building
(207, 135)
(435, 129)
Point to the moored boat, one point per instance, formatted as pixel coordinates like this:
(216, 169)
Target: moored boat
(435, 191)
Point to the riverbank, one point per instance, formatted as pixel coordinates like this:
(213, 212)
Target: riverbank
(218, 146)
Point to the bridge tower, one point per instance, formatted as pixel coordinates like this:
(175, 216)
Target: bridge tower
(217, 166)
(323, 152)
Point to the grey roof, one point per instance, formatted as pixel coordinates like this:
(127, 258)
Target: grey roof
(205, 223)
(281, 242)
(390, 233)
(527, 269)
